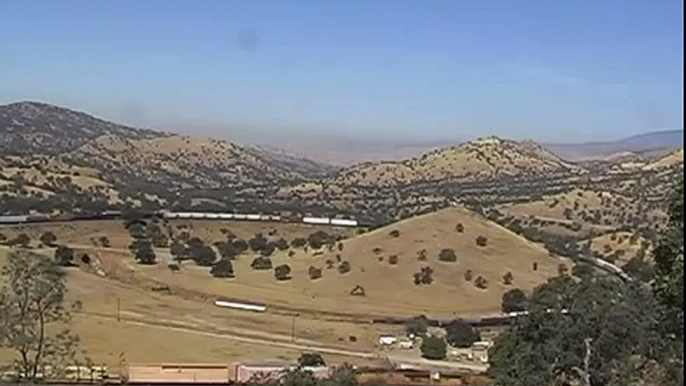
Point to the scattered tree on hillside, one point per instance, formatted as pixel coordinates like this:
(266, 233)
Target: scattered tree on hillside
(344, 267)
(261, 263)
(105, 241)
(424, 276)
(459, 228)
(482, 241)
(340, 247)
(281, 244)
(508, 278)
(481, 283)
(222, 269)
(282, 272)
(22, 241)
(562, 269)
(258, 243)
(421, 255)
(393, 259)
(514, 300)
(48, 239)
(314, 273)
(394, 233)
(447, 255)
(320, 238)
(468, 275)
(535, 266)
(461, 334)
(64, 256)
(433, 348)
(33, 316)
(203, 255)
(298, 242)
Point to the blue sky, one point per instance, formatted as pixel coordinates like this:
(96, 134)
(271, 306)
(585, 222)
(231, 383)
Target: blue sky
(418, 70)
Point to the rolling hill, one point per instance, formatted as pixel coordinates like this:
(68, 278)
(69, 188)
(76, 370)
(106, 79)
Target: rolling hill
(69, 146)
(488, 158)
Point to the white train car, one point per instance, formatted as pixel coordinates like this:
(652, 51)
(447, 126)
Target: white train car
(198, 215)
(253, 217)
(343, 222)
(238, 216)
(241, 306)
(265, 217)
(317, 220)
(212, 216)
(226, 216)
(275, 218)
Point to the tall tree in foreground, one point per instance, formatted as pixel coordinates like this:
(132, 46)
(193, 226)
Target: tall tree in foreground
(33, 318)
(669, 266)
(588, 333)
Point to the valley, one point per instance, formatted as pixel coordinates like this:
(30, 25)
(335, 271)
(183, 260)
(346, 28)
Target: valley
(445, 234)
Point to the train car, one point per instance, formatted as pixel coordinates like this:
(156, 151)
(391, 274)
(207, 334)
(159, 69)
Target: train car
(212, 216)
(265, 217)
(240, 216)
(275, 218)
(226, 216)
(253, 217)
(14, 219)
(316, 220)
(198, 215)
(343, 222)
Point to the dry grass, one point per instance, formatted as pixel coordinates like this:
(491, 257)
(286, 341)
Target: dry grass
(484, 158)
(165, 328)
(621, 242)
(389, 288)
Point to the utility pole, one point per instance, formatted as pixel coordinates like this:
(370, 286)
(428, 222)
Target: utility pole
(293, 329)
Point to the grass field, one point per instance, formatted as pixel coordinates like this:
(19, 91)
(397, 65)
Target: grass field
(180, 323)
(163, 328)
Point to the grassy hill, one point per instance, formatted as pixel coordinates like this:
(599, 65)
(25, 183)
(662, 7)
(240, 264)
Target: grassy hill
(487, 158)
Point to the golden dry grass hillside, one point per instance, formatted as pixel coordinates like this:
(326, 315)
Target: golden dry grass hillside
(487, 158)
(189, 161)
(673, 159)
(595, 209)
(619, 246)
(384, 266)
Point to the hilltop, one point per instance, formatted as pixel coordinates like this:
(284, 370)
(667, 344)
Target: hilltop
(482, 159)
(28, 128)
(73, 160)
(657, 140)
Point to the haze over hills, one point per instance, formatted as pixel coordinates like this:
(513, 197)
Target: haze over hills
(56, 158)
(657, 140)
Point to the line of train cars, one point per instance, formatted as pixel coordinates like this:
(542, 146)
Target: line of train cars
(260, 217)
(111, 214)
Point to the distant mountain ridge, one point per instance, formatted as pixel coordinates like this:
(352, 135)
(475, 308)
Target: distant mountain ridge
(657, 140)
(29, 128)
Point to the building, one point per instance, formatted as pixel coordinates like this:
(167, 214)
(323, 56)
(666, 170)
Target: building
(273, 370)
(179, 373)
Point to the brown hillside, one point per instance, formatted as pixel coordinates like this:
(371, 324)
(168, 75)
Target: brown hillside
(390, 288)
(478, 160)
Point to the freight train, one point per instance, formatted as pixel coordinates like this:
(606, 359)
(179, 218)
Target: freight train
(170, 215)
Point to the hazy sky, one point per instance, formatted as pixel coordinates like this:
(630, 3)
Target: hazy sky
(418, 69)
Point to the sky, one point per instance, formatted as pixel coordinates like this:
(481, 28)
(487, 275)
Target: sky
(555, 71)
